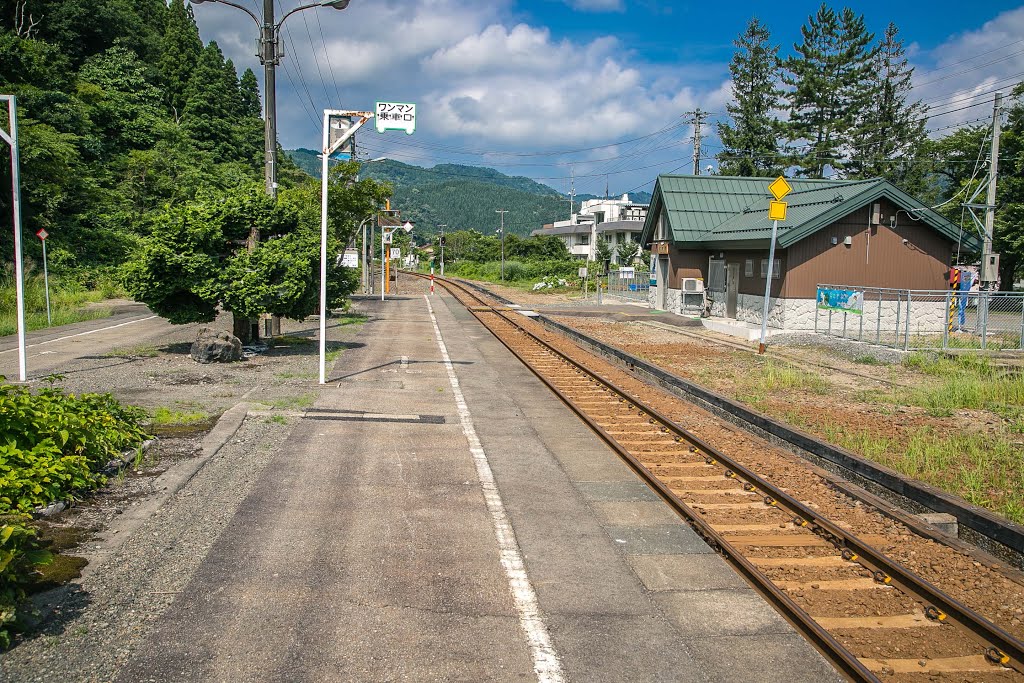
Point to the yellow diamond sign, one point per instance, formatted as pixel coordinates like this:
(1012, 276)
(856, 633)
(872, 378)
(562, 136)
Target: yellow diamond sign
(777, 211)
(780, 188)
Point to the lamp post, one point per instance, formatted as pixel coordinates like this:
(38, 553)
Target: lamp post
(270, 57)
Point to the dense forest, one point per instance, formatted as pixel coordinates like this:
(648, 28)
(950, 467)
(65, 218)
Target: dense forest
(122, 111)
(842, 104)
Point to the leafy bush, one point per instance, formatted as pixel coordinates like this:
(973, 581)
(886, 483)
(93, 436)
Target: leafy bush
(53, 446)
(20, 554)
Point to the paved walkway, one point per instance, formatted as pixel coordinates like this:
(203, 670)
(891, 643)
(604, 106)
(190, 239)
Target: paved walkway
(439, 515)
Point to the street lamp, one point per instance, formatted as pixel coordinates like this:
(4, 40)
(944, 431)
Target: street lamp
(270, 57)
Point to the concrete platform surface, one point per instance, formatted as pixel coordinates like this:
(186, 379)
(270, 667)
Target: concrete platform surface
(440, 516)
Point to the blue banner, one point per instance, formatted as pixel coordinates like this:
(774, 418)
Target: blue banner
(846, 300)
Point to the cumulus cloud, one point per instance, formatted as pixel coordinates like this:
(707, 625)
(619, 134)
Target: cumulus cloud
(961, 75)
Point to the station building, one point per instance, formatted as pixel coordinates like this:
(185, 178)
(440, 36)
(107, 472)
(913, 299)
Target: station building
(712, 234)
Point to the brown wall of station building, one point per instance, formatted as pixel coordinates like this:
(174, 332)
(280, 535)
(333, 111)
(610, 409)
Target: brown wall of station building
(877, 257)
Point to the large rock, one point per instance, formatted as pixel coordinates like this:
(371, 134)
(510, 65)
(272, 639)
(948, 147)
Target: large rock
(214, 346)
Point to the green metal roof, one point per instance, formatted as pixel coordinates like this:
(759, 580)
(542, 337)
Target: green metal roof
(723, 211)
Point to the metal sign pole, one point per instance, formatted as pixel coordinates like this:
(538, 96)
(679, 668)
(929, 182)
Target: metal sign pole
(323, 251)
(19, 272)
(46, 286)
(768, 287)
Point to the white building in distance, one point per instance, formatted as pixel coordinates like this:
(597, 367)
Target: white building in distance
(616, 220)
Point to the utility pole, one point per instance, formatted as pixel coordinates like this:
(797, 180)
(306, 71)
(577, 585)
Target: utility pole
(697, 118)
(502, 212)
(441, 241)
(989, 261)
(270, 57)
(572, 191)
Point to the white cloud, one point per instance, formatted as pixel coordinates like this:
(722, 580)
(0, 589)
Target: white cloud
(967, 68)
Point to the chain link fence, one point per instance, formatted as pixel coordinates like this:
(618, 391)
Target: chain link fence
(629, 285)
(914, 319)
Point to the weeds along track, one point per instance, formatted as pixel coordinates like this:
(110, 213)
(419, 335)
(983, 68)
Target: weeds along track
(873, 617)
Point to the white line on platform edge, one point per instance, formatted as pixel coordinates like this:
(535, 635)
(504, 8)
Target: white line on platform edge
(545, 660)
(82, 334)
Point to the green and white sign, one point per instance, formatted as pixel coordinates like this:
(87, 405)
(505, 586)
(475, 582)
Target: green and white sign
(395, 116)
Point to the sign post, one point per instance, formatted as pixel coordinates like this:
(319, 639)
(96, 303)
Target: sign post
(42, 235)
(11, 138)
(776, 212)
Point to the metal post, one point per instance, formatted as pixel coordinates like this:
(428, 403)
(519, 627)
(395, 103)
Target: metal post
(947, 320)
(817, 311)
(1022, 322)
(46, 286)
(382, 262)
(845, 316)
(984, 321)
(323, 249)
(878, 323)
(362, 256)
(899, 310)
(502, 212)
(906, 339)
(19, 271)
(768, 287)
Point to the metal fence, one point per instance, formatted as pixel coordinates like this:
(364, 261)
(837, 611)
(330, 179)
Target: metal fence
(632, 287)
(913, 319)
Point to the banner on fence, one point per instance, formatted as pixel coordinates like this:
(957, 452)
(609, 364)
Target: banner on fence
(627, 273)
(846, 300)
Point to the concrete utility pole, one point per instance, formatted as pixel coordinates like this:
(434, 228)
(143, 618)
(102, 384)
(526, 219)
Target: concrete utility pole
(442, 227)
(697, 118)
(502, 212)
(989, 266)
(572, 191)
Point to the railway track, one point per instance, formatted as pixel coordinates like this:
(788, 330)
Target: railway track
(873, 618)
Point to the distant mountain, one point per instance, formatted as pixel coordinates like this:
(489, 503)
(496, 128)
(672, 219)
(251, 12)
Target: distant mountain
(638, 197)
(462, 197)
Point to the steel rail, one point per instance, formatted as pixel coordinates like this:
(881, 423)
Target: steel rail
(1009, 650)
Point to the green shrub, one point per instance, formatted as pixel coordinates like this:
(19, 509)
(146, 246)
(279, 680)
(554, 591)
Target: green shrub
(53, 445)
(20, 554)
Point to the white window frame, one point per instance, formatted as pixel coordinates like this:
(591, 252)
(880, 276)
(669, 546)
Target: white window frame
(776, 269)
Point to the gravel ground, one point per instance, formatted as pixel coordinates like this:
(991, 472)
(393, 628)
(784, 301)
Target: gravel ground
(90, 626)
(850, 350)
(98, 622)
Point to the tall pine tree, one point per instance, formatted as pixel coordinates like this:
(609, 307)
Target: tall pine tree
(887, 138)
(751, 142)
(828, 77)
(210, 114)
(181, 49)
(250, 88)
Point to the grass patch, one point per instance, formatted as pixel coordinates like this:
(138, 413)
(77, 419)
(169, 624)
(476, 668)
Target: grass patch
(984, 469)
(867, 359)
(67, 303)
(962, 382)
(350, 319)
(775, 376)
(297, 375)
(277, 419)
(171, 417)
(143, 351)
(293, 402)
(291, 340)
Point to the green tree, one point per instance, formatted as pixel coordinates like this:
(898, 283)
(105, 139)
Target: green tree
(211, 105)
(182, 48)
(250, 88)
(830, 89)
(888, 134)
(1009, 223)
(195, 262)
(751, 141)
(627, 252)
(124, 107)
(602, 253)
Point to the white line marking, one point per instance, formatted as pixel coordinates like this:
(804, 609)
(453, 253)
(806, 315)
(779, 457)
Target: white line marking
(82, 334)
(545, 660)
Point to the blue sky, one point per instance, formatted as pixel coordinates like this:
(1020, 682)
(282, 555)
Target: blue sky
(546, 88)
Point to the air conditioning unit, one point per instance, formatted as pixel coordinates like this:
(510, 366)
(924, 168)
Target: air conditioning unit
(692, 284)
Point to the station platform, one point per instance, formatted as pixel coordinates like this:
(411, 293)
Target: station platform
(439, 515)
